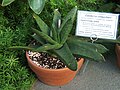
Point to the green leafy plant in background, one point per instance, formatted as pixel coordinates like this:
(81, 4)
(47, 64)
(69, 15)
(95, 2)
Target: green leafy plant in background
(14, 74)
(90, 5)
(18, 16)
(64, 6)
(58, 41)
(36, 5)
(113, 1)
(110, 6)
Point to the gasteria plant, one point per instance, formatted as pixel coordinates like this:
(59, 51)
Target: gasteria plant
(58, 41)
(36, 5)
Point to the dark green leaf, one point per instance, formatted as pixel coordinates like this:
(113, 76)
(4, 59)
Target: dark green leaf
(109, 41)
(44, 36)
(42, 25)
(23, 47)
(71, 15)
(38, 39)
(56, 24)
(99, 47)
(57, 17)
(46, 47)
(66, 57)
(86, 49)
(65, 31)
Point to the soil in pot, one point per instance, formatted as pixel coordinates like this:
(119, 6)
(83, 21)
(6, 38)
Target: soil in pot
(50, 70)
(47, 61)
(44, 60)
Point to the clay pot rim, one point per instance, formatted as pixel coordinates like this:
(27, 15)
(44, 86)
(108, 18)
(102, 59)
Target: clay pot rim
(81, 59)
(117, 45)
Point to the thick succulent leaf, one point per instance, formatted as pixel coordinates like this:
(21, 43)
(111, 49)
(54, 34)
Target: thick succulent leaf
(36, 5)
(7, 2)
(71, 15)
(38, 48)
(44, 36)
(109, 41)
(65, 31)
(66, 57)
(55, 35)
(56, 19)
(42, 25)
(38, 39)
(24, 47)
(99, 47)
(85, 50)
(56, 24)
(47, 47)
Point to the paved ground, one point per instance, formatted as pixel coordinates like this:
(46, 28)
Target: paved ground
(98, 76)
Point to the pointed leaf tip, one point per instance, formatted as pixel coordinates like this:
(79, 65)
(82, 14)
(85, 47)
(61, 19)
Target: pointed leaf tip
(7, 2)
(37, 5)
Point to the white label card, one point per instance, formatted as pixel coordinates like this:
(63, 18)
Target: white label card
(97, 24)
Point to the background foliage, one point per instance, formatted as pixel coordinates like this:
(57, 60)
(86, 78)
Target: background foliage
(36, 5)
(14, 27)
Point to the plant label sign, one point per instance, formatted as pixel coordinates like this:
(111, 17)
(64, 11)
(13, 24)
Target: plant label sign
(97, 24)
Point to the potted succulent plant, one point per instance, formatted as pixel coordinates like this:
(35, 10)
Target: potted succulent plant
(55, 44)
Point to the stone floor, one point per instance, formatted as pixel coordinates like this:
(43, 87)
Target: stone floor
(97, 76)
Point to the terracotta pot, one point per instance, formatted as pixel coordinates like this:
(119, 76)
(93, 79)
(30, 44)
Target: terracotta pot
(117, 49)
(55, 77)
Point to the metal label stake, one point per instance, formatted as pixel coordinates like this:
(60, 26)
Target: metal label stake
(93, 38)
